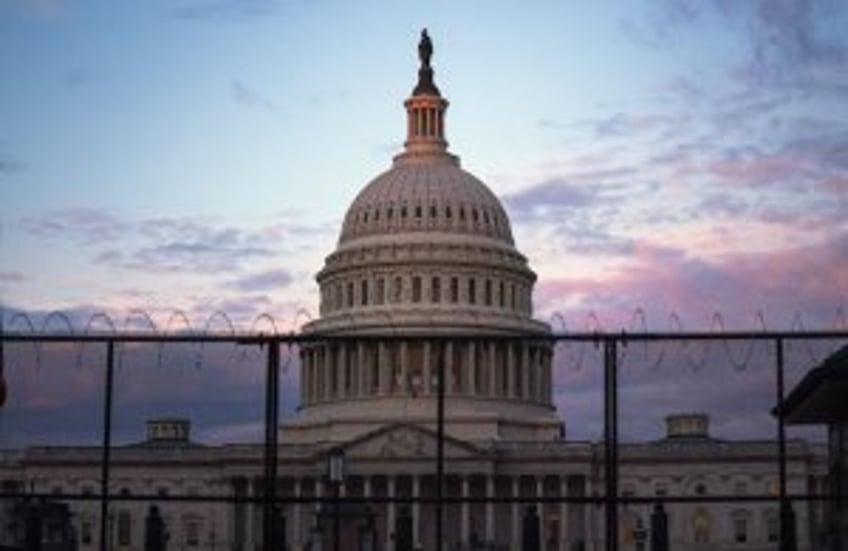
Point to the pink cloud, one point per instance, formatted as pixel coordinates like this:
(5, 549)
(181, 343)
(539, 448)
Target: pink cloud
(811, 280)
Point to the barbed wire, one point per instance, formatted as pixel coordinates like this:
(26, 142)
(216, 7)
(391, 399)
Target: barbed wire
(650, 353)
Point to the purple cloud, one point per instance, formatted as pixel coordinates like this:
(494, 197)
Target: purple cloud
(262, 281)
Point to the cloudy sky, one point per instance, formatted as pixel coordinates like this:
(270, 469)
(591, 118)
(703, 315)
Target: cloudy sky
(667, 156)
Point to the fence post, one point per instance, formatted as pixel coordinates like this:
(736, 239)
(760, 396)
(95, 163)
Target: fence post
(530, 538)
(611, 442)
(659, 528)
(106, 445)
(272, 391)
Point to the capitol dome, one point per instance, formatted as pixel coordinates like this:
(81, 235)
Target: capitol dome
(426, 250)
(426, 194)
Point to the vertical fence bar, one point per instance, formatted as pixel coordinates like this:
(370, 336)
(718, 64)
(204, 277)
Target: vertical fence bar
(787, 515)
(105, 449)
(611, 442)
(272, 401)
(440, 446)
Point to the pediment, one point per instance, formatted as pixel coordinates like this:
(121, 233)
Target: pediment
(406, 441)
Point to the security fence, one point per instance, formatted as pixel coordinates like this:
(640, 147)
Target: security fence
(439, 491)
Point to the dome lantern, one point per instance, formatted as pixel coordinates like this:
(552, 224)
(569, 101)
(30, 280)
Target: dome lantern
(425, 110)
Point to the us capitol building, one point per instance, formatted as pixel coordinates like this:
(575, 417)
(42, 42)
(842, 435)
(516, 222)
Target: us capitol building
(425, 249)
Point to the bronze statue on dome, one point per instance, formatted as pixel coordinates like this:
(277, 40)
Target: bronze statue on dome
(425, 48)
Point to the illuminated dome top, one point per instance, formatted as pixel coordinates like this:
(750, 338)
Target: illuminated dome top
(431, 194)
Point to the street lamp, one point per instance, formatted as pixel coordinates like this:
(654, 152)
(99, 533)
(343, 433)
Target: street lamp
(336, 475)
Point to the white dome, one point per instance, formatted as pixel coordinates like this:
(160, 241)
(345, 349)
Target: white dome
(426, 194)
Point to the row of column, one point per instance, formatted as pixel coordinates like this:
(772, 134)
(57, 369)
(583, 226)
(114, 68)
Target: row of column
(494, 369)
(426, 122)
(301, 517)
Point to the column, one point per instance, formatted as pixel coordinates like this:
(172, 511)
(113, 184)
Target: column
(383, 370)
(493, 370)
(416, 512)
(515, 515)
(297, 521)
(390, 511)
(362, 368)
(328, 370)
(563, 514)
(525, 371)
(428, 369)
(472, 369)
(490, 509)
(403, 385)
(510, 370)
(465, 512)
(341, 370)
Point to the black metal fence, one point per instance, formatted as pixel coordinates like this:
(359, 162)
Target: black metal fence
(649, 533)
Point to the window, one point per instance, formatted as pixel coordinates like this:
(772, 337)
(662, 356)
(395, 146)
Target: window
(472, 290)
(86, 529)
(700, 490)
(381, 291)
(448, 213)
(660, 490)
(339, 301)
(740, 526)
(418, 211)
(454, 290)
(124, 528)
(512, 296)
(363, 293)
(772, 526)
(501, 294)
(488, 292)
(416, 289)
(192, 533)
(397, 292)
(740, 488)
(403, 211)
(433, 212)
(436, 289)
(701, 522)
(350, 294)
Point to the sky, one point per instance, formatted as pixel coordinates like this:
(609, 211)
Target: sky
(659, 160)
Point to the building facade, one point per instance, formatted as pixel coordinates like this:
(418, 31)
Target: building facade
(426, 257)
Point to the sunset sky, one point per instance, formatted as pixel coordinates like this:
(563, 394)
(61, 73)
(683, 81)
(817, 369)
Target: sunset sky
(673, 156)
